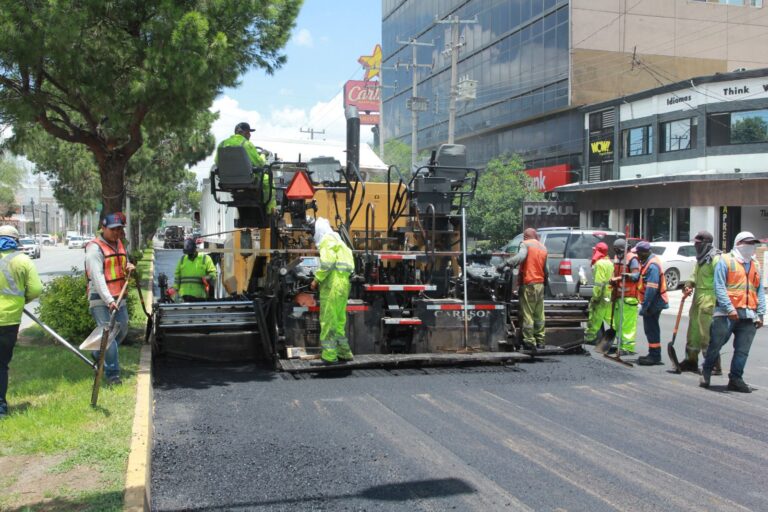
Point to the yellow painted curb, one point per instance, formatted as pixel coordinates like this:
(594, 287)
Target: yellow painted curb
(137, 498)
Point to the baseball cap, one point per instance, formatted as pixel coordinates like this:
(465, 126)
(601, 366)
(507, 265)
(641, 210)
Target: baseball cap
(643, 246)
(243, 127)
(114, 220)
(745, 237)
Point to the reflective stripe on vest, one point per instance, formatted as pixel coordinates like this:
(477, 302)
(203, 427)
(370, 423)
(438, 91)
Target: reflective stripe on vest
(533, 267)
(662, 286)
(742, 288)
(13, 288)
(115, 262)
(631, 288)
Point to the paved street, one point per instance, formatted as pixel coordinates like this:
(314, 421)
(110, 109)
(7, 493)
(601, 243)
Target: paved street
(573, 432)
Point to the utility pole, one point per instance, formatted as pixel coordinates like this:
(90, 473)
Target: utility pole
(453, 49)
(415, 104)
(380, 86)
(312, 132)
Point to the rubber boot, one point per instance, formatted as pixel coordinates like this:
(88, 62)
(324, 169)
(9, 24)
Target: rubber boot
(344, 352)
(717, 369)
(689, 366)
(652, 359)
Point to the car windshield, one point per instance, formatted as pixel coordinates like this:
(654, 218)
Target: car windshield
(658, 250)
(27, 242)
(581, 244)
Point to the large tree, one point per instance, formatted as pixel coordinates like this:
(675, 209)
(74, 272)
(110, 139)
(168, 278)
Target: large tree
(11, 176)
(497, 208)
(107, 74)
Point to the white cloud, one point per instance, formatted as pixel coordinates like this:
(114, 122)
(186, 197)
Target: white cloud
(283, 123)
(304, 38)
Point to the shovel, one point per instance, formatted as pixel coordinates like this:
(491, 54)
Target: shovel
(148, 330)
(671, 345)
(105, 339)
(61, 340)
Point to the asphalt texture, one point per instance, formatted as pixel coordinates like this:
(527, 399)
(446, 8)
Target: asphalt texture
(576, 432)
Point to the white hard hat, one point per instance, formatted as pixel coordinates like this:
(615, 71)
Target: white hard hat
(8, 230)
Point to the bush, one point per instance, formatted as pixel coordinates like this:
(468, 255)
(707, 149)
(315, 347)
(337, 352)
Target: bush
(64, 306)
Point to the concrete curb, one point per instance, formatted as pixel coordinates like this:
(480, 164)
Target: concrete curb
(137, 478)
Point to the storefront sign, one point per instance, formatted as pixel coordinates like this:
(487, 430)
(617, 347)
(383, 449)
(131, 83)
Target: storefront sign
(541, 214)
(371, 63)
(363, 95)
(601, 147)
(548, 178)
(369, 118)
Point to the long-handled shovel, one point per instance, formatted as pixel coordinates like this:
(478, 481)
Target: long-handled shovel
(148, 330)
(104, 343)
(61, 340)
(617, 356)
(671, 345)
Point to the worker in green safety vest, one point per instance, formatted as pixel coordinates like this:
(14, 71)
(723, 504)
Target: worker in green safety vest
(600, 304)
(195, 274)
(702, 285)
(332, 278)
(242, 138)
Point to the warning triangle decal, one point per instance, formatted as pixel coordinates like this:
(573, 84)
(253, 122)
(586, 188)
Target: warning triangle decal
(300, 187)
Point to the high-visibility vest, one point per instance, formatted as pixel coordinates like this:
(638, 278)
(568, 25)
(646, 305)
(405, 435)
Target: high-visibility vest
(533, 269)
(115, 261)
(742, 288)
(653, 260)
(631, 288)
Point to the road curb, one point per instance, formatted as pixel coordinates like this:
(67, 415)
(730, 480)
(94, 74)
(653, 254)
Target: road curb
(137, 478)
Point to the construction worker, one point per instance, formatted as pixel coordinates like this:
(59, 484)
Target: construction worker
(336, 265)
(532, 259)
(626, 276)
(702, 285)
(654, 301)
(195, 275)
(107, 267)
(242, 138)
(600, 303)
(739, 310)
(19, 284)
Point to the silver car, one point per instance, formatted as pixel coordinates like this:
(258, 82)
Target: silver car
(569, 252)
(29, 247)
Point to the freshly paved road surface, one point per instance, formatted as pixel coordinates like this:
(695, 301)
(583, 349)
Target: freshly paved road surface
(563, 434)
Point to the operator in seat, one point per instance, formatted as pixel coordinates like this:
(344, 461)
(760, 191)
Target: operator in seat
(242, 138)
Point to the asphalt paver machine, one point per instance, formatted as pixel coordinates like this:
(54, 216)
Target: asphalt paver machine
(417, 296)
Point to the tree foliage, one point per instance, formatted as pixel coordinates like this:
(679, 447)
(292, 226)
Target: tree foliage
(11, 176)
(107, 75)
(749, 130)
(497, 208)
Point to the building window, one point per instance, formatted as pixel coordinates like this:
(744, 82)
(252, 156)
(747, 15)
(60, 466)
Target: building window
(747, 127)
(750, 3)
(678, 135)
(657, 224)
(600, 219)
(637, 141)
(683, 225)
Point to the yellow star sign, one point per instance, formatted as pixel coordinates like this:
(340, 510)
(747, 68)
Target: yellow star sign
(371, 63)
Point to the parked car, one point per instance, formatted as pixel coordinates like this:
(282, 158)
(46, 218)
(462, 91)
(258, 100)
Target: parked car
(29, 247)
(76, 242)
(44, 239)
(678, 258)
(569, 249)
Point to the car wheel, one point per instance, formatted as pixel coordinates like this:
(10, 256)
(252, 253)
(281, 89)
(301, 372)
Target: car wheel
(672, 276)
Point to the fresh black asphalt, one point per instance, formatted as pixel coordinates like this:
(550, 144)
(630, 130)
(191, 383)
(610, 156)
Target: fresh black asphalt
(568, 433)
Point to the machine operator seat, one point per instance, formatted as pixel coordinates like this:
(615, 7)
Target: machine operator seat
(235, 169)
(450, 162)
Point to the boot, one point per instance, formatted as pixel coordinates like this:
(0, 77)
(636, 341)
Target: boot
(738, 385)
(689, 366)
(652, 359)
(717, 369)
(705, 376)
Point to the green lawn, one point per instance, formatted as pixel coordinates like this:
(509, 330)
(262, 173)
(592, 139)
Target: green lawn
(80, 452)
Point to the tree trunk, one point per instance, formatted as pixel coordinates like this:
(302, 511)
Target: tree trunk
(112, 172)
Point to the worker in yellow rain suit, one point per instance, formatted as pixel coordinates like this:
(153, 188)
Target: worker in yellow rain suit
(336, 265)
(600, 304)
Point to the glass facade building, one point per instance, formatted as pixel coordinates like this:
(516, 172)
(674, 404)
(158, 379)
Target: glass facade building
(517, 51)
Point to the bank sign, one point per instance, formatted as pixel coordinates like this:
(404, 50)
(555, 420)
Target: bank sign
(548, 178)
(547, 214)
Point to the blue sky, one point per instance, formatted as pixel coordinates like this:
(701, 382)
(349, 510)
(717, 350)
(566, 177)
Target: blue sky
(329, 37)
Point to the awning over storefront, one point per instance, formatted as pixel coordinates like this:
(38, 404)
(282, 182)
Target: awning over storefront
(705, 189)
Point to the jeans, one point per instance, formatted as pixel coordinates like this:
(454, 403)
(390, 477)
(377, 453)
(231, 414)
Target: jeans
(101, 315)
(719, 332)
(8, 335)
